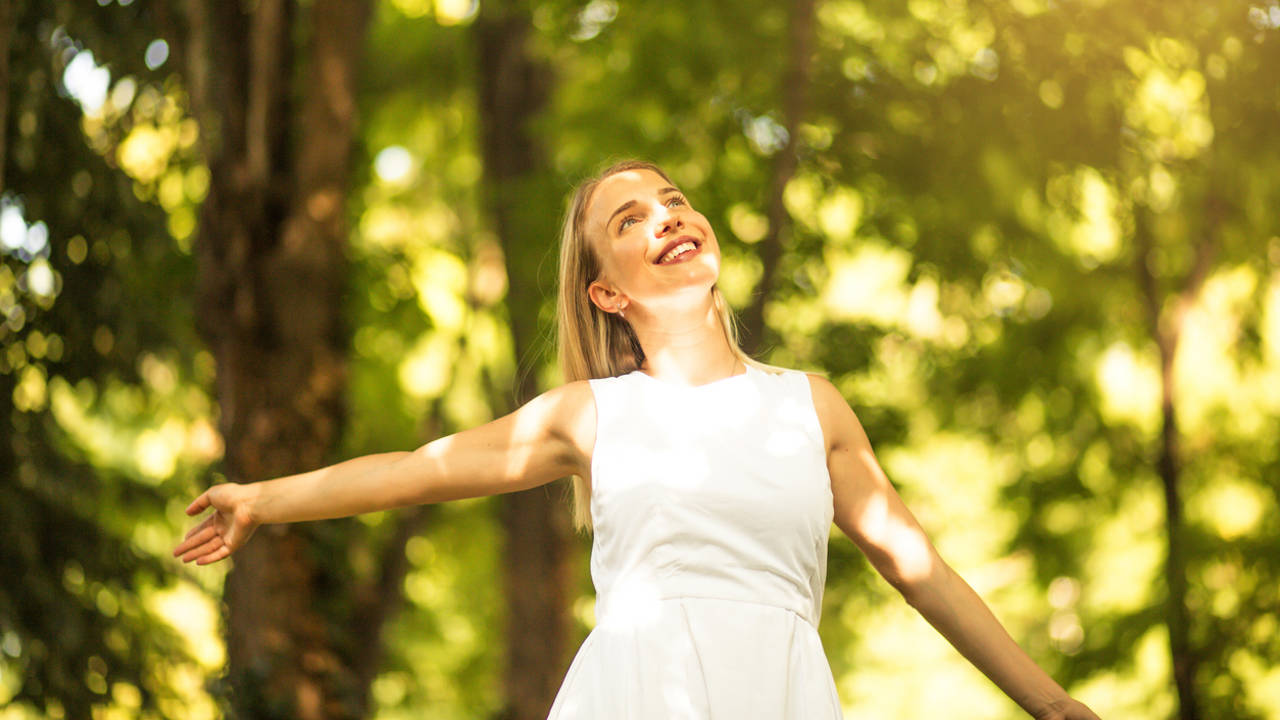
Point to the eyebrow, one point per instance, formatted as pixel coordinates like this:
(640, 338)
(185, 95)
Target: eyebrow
(631, 203)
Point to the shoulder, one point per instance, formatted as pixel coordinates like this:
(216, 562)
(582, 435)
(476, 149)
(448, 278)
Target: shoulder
(826, 396)
(565, 403)
(840, 425)
(565, 414)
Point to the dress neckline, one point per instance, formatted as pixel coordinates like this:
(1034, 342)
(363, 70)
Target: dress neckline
(714, 383)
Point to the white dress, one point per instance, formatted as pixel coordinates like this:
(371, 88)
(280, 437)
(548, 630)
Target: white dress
(712, 506)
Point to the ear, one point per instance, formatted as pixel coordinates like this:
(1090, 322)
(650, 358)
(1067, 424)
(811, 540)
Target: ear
(607, 297)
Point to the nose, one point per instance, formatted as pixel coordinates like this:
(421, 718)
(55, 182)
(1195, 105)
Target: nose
(668, 221)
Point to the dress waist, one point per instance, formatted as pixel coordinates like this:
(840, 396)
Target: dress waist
(634, 599)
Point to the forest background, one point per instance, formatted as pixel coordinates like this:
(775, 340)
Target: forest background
(1033, 242)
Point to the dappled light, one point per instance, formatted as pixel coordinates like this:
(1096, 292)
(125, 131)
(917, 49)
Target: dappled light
(1033, 244)
(1129, 386)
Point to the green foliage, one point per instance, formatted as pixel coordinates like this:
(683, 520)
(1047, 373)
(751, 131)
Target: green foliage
(91, 302)
(975, 183)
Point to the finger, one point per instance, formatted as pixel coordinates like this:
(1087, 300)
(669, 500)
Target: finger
(204, 525)
(213, 544)
(195, 540)
(207, 522)
(215, 556)
(202, 549)
(198, 505)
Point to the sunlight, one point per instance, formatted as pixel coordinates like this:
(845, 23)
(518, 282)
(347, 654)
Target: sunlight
(394, 165)
(13, 228)
(1129, 387)
(30, 393)
(43, 282)
(1169, 102)
(387, 226)
(867, 284)
(156, 54)
(852, 19)
(456, 12)
(194, 616)
(800, 197)
(441, 280)
(593, 18)
(413, 8)
(1125, 558)
(87, 81)
(425, 370)
(158, 450)
(952, 483)
(1140, 691)
(28, 243)
(748, 225)
(922, 318)
(839, 213)
(1097, 236)
(1209, 374)
(489, 342)
(1261, 679)
(897, 648)
(1270, 326)
(739, 274)
(146, 151)
(1229, 506)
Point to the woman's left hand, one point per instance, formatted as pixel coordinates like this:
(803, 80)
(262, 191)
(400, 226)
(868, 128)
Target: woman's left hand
(1067, 709)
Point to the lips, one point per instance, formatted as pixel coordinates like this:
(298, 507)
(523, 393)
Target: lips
(677, 242)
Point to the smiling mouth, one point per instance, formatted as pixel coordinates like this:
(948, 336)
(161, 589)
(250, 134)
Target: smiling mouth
(678, 250)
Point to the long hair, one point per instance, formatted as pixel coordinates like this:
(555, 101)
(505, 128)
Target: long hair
(598, 344)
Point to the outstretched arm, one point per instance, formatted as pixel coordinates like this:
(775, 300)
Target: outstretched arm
(548, 438)
(871, 513)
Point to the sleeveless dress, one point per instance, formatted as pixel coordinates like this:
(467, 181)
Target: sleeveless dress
(712, 506)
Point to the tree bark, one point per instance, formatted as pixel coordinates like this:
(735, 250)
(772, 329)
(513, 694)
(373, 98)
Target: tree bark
(795, 85)
(1166, 328)
(271, 269)
(513, 89)
(7, 18)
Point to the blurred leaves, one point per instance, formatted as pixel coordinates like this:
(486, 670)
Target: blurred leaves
(972, 180)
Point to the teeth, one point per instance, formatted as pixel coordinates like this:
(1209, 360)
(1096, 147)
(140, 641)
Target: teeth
(677, 250)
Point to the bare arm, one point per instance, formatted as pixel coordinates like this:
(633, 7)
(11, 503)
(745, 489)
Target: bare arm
(548, 438)
(872, 514)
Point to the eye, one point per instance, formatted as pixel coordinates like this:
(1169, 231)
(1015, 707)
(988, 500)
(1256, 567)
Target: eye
(626, 222)
(677, 200)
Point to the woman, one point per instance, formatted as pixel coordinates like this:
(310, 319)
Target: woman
(710, 481)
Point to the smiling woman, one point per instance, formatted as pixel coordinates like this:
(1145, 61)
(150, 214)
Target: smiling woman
(709, 479)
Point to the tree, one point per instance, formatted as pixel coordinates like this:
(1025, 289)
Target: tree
(513, 89)
(272, 272)
(86, 294)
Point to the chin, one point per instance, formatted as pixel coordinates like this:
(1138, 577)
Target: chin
(701, 273)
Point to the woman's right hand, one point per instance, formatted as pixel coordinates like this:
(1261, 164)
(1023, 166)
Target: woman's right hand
(223, 532)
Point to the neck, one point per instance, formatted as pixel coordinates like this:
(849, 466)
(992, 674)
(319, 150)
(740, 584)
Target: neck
(684, 345)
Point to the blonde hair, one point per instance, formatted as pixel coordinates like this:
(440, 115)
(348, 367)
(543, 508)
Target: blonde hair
(598, 344)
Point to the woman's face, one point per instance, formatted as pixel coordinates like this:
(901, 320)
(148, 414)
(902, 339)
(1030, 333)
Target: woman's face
(653, 246)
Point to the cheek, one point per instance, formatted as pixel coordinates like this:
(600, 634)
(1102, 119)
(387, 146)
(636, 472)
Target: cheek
(701, 221)
(621, 258)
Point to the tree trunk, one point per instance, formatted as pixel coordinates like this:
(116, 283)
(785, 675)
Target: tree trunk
(271, 268)
(513, 89)
(7, 19)
(1166, 328)
(795, 83)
